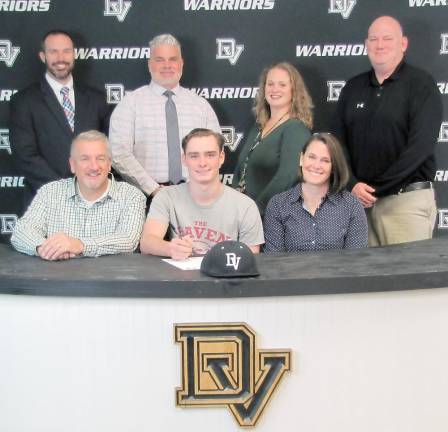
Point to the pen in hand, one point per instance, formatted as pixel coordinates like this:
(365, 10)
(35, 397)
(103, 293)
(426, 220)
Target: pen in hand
(182, 241)
(173, 228)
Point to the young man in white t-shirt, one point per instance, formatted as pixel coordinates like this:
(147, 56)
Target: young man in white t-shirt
(202, 212)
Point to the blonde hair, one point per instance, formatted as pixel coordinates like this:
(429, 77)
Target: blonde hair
(301, 104)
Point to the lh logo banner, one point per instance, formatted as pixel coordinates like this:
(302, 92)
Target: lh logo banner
(114, 93)
(7, 223)
(117, 8)
(8, 53)
(228, 49)
(443, 133)
(232, 138)
(4, 140)
(221, 366)
(334, 90)
(444, 46)
(343, 7)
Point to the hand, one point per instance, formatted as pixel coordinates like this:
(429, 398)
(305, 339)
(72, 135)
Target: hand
(364, 193)
(181, 247)
(60, 246)
(66, 256)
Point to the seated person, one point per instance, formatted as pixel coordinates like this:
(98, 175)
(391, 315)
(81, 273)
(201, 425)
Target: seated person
(203, 211)
(87, 215)
(318, 213)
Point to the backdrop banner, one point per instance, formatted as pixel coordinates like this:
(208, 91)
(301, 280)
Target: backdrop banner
(225, 45)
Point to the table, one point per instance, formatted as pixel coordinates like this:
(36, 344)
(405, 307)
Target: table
(88, 344)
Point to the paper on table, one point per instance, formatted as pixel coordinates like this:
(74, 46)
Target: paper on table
(192, 263)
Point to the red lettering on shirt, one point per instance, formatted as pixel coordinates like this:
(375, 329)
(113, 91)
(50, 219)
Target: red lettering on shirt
(210, 235)
(200, 223)
(199, 232)
(222, 237)
(187, 231)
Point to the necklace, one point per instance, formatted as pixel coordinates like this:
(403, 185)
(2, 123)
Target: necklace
(267, 132)
(242, 183)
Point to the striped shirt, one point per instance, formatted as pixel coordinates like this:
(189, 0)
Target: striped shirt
(137, 132)
(111, 225)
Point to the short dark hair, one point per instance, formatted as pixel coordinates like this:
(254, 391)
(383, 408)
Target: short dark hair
(339, 168)
(54, 32)
(201, 132)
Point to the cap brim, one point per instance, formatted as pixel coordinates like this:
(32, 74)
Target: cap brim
(231, 275)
